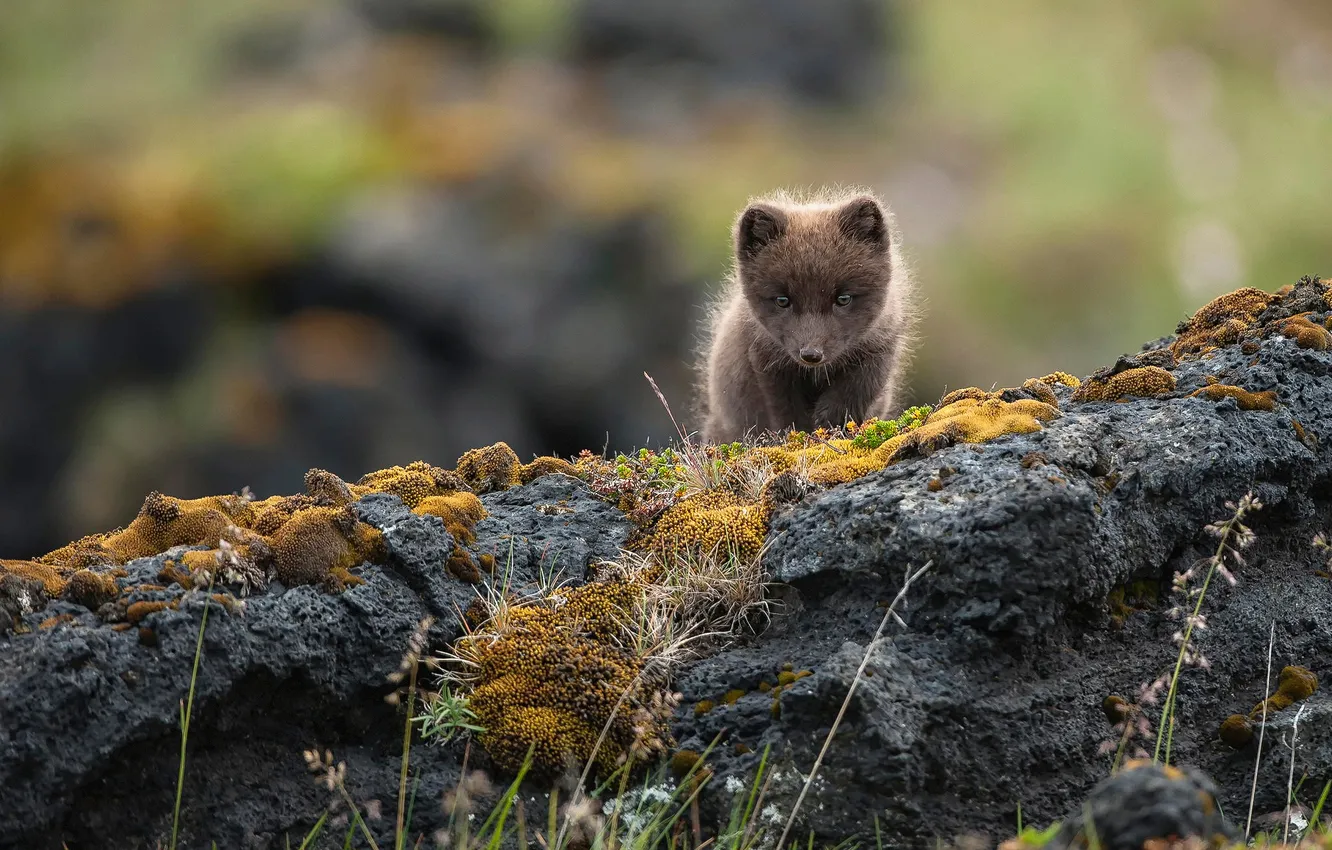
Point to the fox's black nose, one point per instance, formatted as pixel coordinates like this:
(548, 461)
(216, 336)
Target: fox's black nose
(811, 355)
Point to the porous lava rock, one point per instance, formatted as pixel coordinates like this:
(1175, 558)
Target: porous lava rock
(990, 697)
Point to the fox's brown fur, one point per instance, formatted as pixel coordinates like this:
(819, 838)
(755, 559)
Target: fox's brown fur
(782, 351)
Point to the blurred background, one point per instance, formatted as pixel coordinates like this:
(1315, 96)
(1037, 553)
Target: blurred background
(241, 239)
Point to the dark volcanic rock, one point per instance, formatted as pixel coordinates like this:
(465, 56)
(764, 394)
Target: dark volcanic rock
(89, 735)
(990, 698)
(1146, 802)
(996, 686)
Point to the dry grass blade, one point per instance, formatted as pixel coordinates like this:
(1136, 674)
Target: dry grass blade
(1290, 778)
(841, 712)
(1258, 759)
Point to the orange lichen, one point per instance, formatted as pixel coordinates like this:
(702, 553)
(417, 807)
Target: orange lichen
(461, 511)
(1265, 400)
(1220, 322)
(1307, 334)
(1141, 381)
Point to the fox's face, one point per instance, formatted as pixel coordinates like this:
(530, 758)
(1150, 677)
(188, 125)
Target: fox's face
(816, 281)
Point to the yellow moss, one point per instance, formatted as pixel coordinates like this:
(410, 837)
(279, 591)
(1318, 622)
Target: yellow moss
(318, 546)
(52, 579)
(199, 559)
(1306, 334)
(1236, 731)
(733, 696)
(716, 520)
(492, 468)
(138, 610)
(968, 415)
(702, 707)
(1220, 322)
(272, 513)
(1061, 378)
(412, 483)
(973, 393)
(683, 762)
(1143, 381)
(529, 472)
(1041, 390)
(970, 420)
(462, 566)
(552, 677)
(461, 511)
(1264, 400)
(1293, 684)
(787, 677)
(91, 590)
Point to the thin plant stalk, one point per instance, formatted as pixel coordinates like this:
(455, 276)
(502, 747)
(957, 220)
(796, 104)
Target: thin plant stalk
(841, 712)
(399, 834)
(1290, 778)
(1258, 759)
(186, 711)
(1168, 710)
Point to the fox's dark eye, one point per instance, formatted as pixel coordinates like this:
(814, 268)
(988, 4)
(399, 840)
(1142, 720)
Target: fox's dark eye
(843, 300)
(783, 301)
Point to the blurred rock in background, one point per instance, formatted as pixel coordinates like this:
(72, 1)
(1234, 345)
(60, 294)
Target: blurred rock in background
(241, 240)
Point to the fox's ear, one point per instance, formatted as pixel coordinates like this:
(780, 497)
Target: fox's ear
(759, 226)
(862, 220)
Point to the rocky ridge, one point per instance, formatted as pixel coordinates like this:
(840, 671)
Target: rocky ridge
(1053, 549)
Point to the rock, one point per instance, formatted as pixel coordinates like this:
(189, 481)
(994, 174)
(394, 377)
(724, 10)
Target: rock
(1052, 559)
(89, 730)
(1143, 802)
(1010, 649)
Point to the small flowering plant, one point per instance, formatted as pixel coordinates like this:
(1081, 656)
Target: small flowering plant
(1233, 538)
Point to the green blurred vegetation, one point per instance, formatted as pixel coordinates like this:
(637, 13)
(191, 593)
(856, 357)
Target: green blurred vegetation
(1072, 177)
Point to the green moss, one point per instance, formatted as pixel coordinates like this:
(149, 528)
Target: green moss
(702, 707)
(683, 762)
(732, 696)
(876, 432)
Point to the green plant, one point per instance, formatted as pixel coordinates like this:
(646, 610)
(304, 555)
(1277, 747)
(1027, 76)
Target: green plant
(445, 716)
(876, 432)
(186, 710)
(1233, 535)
